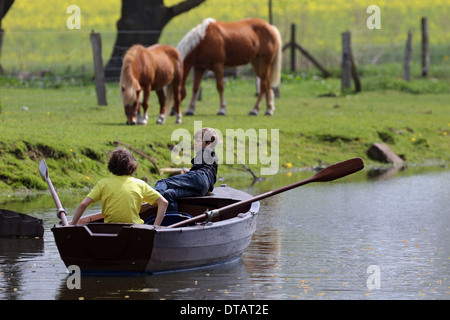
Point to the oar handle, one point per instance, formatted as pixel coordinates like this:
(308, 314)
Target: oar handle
(61, 213)
(333, 172)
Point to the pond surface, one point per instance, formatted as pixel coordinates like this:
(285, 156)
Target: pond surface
(378, 238)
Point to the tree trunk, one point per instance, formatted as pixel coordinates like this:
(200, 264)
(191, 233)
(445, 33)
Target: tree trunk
(5, 5)
(141, 22)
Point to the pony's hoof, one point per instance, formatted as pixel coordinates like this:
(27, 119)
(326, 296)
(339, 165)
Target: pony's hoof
(142, 120)
(189, 112)
(128, 123)
(268, 113)
(221, 112)
(161, 120)
(253, 113)
(173, 112)
(178, 119)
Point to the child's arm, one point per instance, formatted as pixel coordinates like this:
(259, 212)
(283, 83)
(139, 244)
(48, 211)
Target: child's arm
(80, 210)
(162, 206)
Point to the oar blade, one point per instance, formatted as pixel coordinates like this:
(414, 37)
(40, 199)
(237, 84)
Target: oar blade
(43, 170)
(333, 172)
(339, 170)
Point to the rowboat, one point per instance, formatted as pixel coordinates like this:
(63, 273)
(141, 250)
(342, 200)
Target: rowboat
(16, 224)
(98, 247)
(217, 228)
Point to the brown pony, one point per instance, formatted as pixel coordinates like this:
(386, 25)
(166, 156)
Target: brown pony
(158, 68)
(213, 44)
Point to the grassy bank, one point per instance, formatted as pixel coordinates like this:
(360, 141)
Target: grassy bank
(62, 123)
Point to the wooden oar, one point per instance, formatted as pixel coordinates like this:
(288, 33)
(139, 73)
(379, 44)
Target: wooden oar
(61, 213)
(330, 173)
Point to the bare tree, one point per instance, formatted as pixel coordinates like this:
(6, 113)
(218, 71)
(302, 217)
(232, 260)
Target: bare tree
(142, 22)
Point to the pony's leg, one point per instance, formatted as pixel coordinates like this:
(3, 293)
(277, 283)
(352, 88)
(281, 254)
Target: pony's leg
(218, 74)
(255, 110)
(162, 107)
(262, 71)
(262, 84)
(270, 100)
(143, 119)
(270, 97)
(198, 75)
(262, 91)
(176, 103)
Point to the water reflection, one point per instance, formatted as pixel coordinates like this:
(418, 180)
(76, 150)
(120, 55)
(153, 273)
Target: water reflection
(313, 242)
(16, 255)
(205, 283)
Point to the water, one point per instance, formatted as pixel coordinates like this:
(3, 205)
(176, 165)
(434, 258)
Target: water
(353, 239)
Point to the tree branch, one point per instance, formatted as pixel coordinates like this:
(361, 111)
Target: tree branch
(184, 6)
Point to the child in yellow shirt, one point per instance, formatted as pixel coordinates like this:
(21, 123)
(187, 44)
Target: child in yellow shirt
(122, 195)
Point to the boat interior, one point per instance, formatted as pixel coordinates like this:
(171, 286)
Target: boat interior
(191, 207)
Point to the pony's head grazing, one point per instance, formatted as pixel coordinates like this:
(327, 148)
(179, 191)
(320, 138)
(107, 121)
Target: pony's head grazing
(130, 90)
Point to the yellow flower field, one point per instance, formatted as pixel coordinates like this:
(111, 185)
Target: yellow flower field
(37, 38)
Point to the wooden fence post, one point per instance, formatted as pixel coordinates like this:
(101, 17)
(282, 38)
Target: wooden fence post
(346, 83)
(425, 48)
(407, 64)
(100, 87)
(349, 71)
(292, 45)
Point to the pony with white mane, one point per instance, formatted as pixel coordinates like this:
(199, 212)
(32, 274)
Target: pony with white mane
(213, 45)
(158, 68)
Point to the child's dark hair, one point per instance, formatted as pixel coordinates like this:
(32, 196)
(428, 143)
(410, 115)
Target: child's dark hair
(122, 162)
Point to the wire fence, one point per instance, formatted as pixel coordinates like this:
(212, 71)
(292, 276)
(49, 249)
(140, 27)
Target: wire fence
(36, 40)
(68, 54)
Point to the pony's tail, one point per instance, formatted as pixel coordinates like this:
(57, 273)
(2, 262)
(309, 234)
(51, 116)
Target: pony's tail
(168, 92)
(275, 69)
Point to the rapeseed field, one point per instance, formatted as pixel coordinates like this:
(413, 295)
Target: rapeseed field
(36, 35)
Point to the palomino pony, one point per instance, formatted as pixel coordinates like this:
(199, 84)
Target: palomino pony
(213, 44)
(158, 68)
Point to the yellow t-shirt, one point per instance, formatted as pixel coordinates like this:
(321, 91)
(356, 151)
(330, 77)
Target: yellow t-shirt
(122, 197)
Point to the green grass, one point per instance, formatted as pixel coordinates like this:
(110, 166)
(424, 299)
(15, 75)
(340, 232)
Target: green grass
(56, 116)
(62, 123)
